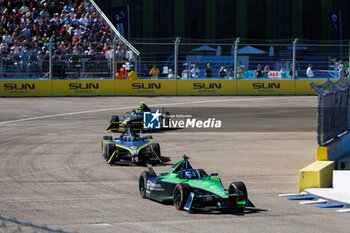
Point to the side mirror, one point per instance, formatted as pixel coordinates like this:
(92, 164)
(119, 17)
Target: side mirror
(213, 174)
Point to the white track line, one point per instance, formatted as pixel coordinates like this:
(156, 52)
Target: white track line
(319, 201)
(152, 105)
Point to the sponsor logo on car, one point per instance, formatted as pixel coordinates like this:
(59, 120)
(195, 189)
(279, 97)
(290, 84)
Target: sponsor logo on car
(154, 186)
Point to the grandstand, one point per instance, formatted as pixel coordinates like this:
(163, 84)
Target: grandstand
(74, 35)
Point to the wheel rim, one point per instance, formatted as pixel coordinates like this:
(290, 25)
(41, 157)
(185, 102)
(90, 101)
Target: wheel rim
(177, 197)
(142, 187)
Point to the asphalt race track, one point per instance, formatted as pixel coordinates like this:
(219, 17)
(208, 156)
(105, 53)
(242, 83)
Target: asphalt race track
(52, 171)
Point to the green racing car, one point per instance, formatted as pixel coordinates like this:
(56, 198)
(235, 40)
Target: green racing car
(191, 189)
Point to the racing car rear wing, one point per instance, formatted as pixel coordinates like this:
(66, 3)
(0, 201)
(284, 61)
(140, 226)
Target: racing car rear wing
(115, 125)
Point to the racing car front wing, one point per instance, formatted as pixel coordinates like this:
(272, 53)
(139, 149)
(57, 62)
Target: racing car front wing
(234, 201)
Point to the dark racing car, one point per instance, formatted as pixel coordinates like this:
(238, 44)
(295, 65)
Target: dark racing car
(133, 119)
(191, 189)
(130, 147)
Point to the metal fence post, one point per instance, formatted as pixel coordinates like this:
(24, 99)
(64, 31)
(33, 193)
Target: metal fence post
(50, 59)
(139, 64)
(349, 58)
(235, 58)
(113, 57)
(1, 66)
(294, 55)
(176, 51)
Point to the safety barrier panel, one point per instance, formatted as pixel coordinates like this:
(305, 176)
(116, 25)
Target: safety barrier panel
(92, 87)
(266, 87)
(146, 87)
(316, 175)
(25, 88)
(152, 87)
(206, 87)
(303, 87)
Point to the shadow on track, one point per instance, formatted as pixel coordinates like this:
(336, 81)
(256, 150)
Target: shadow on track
(165, 160)
(239, 212)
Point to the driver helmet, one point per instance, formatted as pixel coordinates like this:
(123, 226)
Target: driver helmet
(189, 174)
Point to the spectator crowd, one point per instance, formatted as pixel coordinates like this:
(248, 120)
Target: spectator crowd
(26, 27)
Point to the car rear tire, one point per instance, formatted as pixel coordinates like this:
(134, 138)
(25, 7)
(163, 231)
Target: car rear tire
(156, 150)
(180, 195)
(114, 118)
(237, 187)
(143, 183)
(102, 144)
(109, 151)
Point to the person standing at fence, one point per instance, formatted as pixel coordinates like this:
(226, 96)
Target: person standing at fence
(240, 72)
(154, 72)
(194, 72)
(291, 72)
(208, 71)
(341, 72)
(309, 72)
(336, 64)
(171, 74)
(145, 71)
(230, 72)
(283, 73)
(120, 53)
(258, 72)
(222, 72)
(266, 71)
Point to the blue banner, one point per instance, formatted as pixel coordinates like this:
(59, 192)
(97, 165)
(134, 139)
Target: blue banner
(120, 20)
(336, 24)
(335, 17)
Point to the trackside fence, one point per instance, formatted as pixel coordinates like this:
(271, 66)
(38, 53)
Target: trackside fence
(175, 58)
(333, 109)
(13, 225)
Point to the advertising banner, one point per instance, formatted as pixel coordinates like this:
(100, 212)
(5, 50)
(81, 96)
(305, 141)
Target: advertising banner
(303, 87)
(96, 87)
(265, 87)
(206, 87)
(120, 20)
(146, 87)
(25, 88)
(83, 87)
